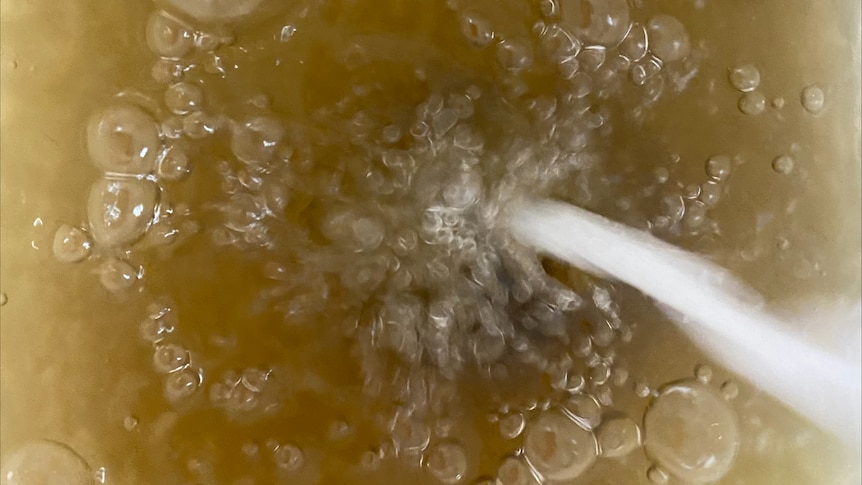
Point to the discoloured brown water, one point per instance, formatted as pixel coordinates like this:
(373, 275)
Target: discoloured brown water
(315, 387)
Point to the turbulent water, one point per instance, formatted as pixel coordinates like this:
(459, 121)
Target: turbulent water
(298, 212)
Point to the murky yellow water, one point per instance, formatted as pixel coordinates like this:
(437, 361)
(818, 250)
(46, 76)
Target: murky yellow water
(337, 87)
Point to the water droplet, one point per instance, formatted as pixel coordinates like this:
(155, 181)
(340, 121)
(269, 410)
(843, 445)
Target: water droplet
(120, 211)
(783, 164)
(476, 29)
(668, 39)
(168, 37)
(71, 244)
(447, 462)
(602, 22)
(692, 432)
(618, 436)
(288, 457)
(558, 448)
(512, 425)
(744, 78)
(515, 471)
(123, 139)
(3, 299)
(813, 99)
(752, 103)
(46, 463)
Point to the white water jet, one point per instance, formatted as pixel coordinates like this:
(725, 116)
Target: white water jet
(717, 311)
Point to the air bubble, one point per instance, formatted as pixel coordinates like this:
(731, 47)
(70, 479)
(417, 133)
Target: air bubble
(174, 164)
(549, 8)
(120, 210)
(585, 410)
(602, 22)
(255, 140)
(168, 37)
(730, 389)
(558, 448)
(635, 46)
(752, 103)
(668, 38)
(515, 471)
(695, 214)
(169, 358)
(559, 44)
(447, 462)
(657, 476)
(718, 167)
(618, 437)
(181, 385)
(692, 432)
(476, 29)
(703, 373)
(123, 139)
(198, 125)
(71, 244)
(254, 379)
(813, 99)
(710, 193)
(463, 190)
(783, 164)
(117, 275)
(410, 435)
(288, 457)
(744, 78)
(130, 423)
(46, 463)
(591, 58)
(514, 56)
(512, 425)
(182, 98)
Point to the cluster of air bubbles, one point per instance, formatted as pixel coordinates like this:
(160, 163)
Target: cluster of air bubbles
(127, 206)
(182, 377)
(246, 395)
(404, 210)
